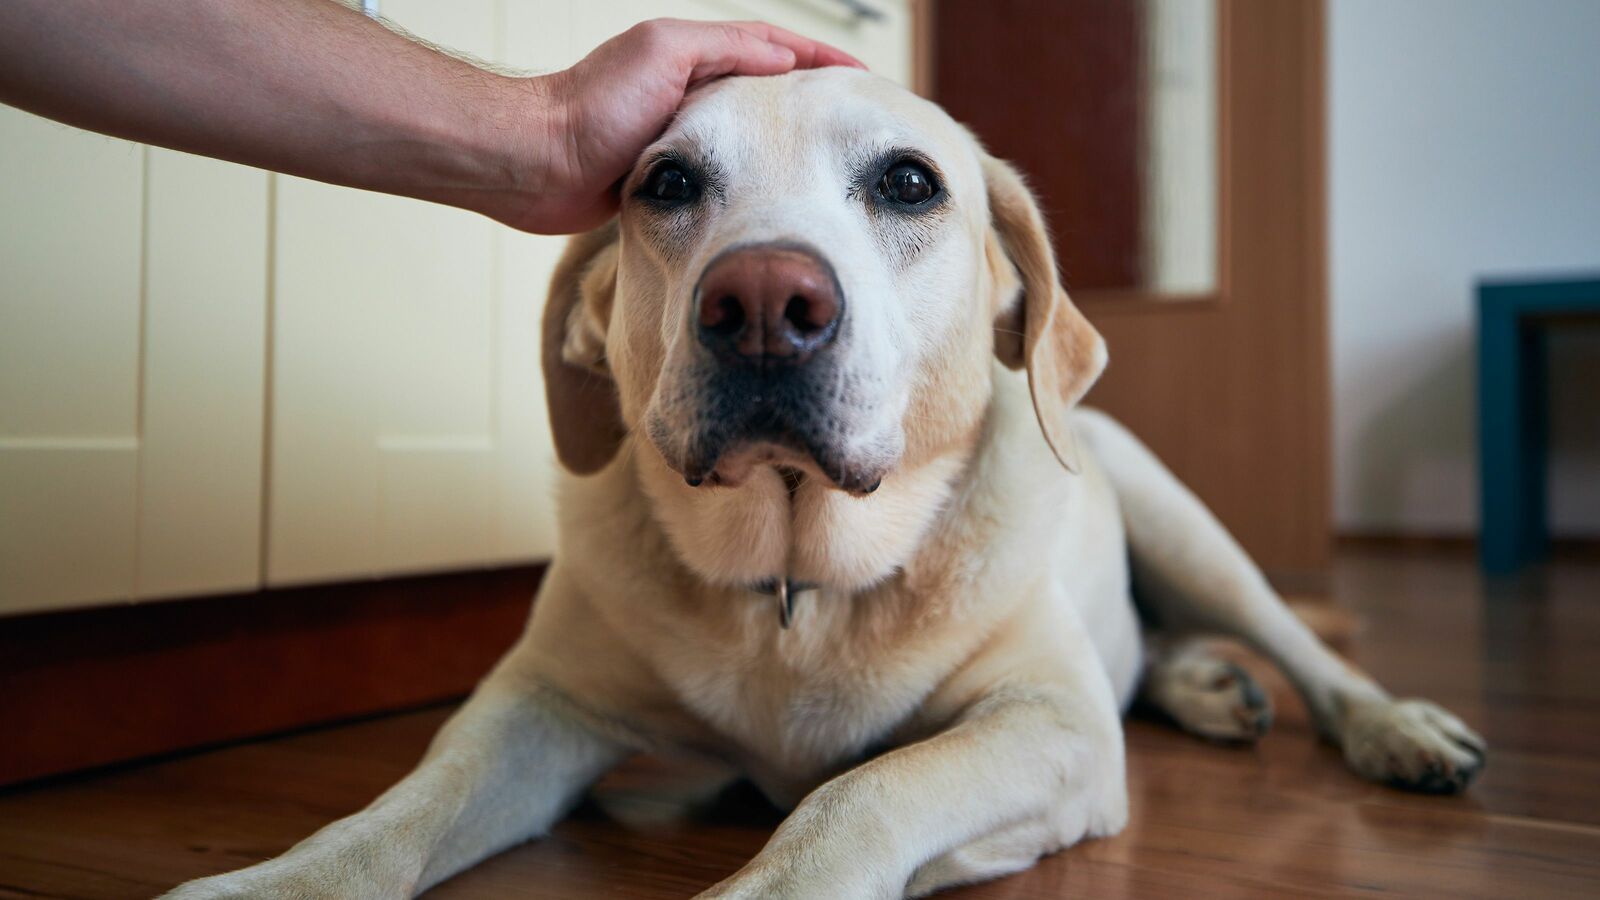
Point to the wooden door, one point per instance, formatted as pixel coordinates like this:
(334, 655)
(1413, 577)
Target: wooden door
(1222, 368)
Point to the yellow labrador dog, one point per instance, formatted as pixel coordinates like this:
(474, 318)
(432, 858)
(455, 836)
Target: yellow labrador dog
(811, 530)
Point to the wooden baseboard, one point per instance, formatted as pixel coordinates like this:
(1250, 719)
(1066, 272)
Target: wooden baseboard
(1563, 549)
(1301, 584)
(1406, 543)
(93, 687)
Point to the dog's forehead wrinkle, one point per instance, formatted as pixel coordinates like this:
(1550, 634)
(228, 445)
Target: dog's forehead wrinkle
(806, 113)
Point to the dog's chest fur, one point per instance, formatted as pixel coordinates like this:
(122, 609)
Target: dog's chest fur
(796, 705)
(788, 706)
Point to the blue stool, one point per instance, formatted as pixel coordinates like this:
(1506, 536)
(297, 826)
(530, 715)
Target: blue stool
(1515, 319)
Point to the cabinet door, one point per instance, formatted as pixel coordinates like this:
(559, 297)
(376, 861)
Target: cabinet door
(204, 389)
(534, 36)
(132, 292)
(70, 226)
(407, 428)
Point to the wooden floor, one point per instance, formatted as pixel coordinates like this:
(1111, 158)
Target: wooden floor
(1518, 661)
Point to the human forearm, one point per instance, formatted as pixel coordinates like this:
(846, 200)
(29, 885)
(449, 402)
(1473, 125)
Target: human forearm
(307, 87)
(312, 88)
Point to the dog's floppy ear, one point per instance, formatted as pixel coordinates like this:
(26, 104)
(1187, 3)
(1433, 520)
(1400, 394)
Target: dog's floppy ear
(585, 416)
(1036, 325)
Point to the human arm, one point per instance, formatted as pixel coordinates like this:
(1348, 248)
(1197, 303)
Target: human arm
(315, 89)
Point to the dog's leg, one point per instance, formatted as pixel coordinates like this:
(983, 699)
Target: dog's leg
(1037, 742)
(502, 770)
(1193, 575)
(1004, 852)
(1204, 693)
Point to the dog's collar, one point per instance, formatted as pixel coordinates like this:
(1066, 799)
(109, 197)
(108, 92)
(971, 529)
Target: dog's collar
(784, 590)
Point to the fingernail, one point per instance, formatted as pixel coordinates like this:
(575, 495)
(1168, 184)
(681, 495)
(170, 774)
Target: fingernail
(782, 54)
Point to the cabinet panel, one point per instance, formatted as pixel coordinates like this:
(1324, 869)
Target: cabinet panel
(535, 36)
(528, 465)
(204, 376)
(67, 531)
(132, 297)
(383, 326)
(594, 23)
(70, 225)
(70, 220)
(407, 427)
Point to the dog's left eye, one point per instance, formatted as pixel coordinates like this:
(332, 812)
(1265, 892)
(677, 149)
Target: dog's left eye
(908, 183)
(669, 185)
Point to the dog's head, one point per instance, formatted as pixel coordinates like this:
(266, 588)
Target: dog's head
(809, 276)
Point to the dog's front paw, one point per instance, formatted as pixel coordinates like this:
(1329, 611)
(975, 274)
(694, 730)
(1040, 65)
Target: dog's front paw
(1412, 744)
(1216, 699)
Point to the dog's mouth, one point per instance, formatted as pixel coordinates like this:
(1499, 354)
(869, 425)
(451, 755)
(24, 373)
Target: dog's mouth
(796, 465)
(713, 463)
(747, 423)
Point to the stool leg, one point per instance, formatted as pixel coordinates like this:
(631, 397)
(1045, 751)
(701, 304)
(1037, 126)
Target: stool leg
(1512, 426)
(1499, 448)
(1533, 435)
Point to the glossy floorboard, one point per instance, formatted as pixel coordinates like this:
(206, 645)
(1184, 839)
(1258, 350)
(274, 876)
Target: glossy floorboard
(1517, 660)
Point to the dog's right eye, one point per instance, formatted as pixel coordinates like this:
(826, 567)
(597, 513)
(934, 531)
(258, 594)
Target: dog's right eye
(908, 184)
(669, 185)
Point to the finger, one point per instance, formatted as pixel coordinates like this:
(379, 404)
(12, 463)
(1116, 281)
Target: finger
(808, 54)
(711, 51)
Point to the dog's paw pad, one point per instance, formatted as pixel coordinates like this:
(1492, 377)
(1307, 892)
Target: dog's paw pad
(1414, 745)
(1217, 699)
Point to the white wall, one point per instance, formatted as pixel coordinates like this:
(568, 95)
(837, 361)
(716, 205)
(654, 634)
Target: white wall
(1465, 141)
(1180, 150)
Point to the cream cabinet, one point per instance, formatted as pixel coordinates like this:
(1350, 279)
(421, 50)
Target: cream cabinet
(394, 366)
(214, 379)
(132, 313)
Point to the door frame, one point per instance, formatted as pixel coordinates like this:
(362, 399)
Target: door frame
(1231, 387)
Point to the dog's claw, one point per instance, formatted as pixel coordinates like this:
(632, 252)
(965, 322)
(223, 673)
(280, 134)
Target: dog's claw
(1413, 745)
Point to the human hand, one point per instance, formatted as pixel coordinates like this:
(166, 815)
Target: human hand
(599, 115)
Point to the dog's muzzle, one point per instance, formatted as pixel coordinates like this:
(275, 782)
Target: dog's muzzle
(769, 385)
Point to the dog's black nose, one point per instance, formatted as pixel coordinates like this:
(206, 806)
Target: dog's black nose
(768, 304)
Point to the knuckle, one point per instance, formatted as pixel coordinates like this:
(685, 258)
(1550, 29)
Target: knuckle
(651, 32)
